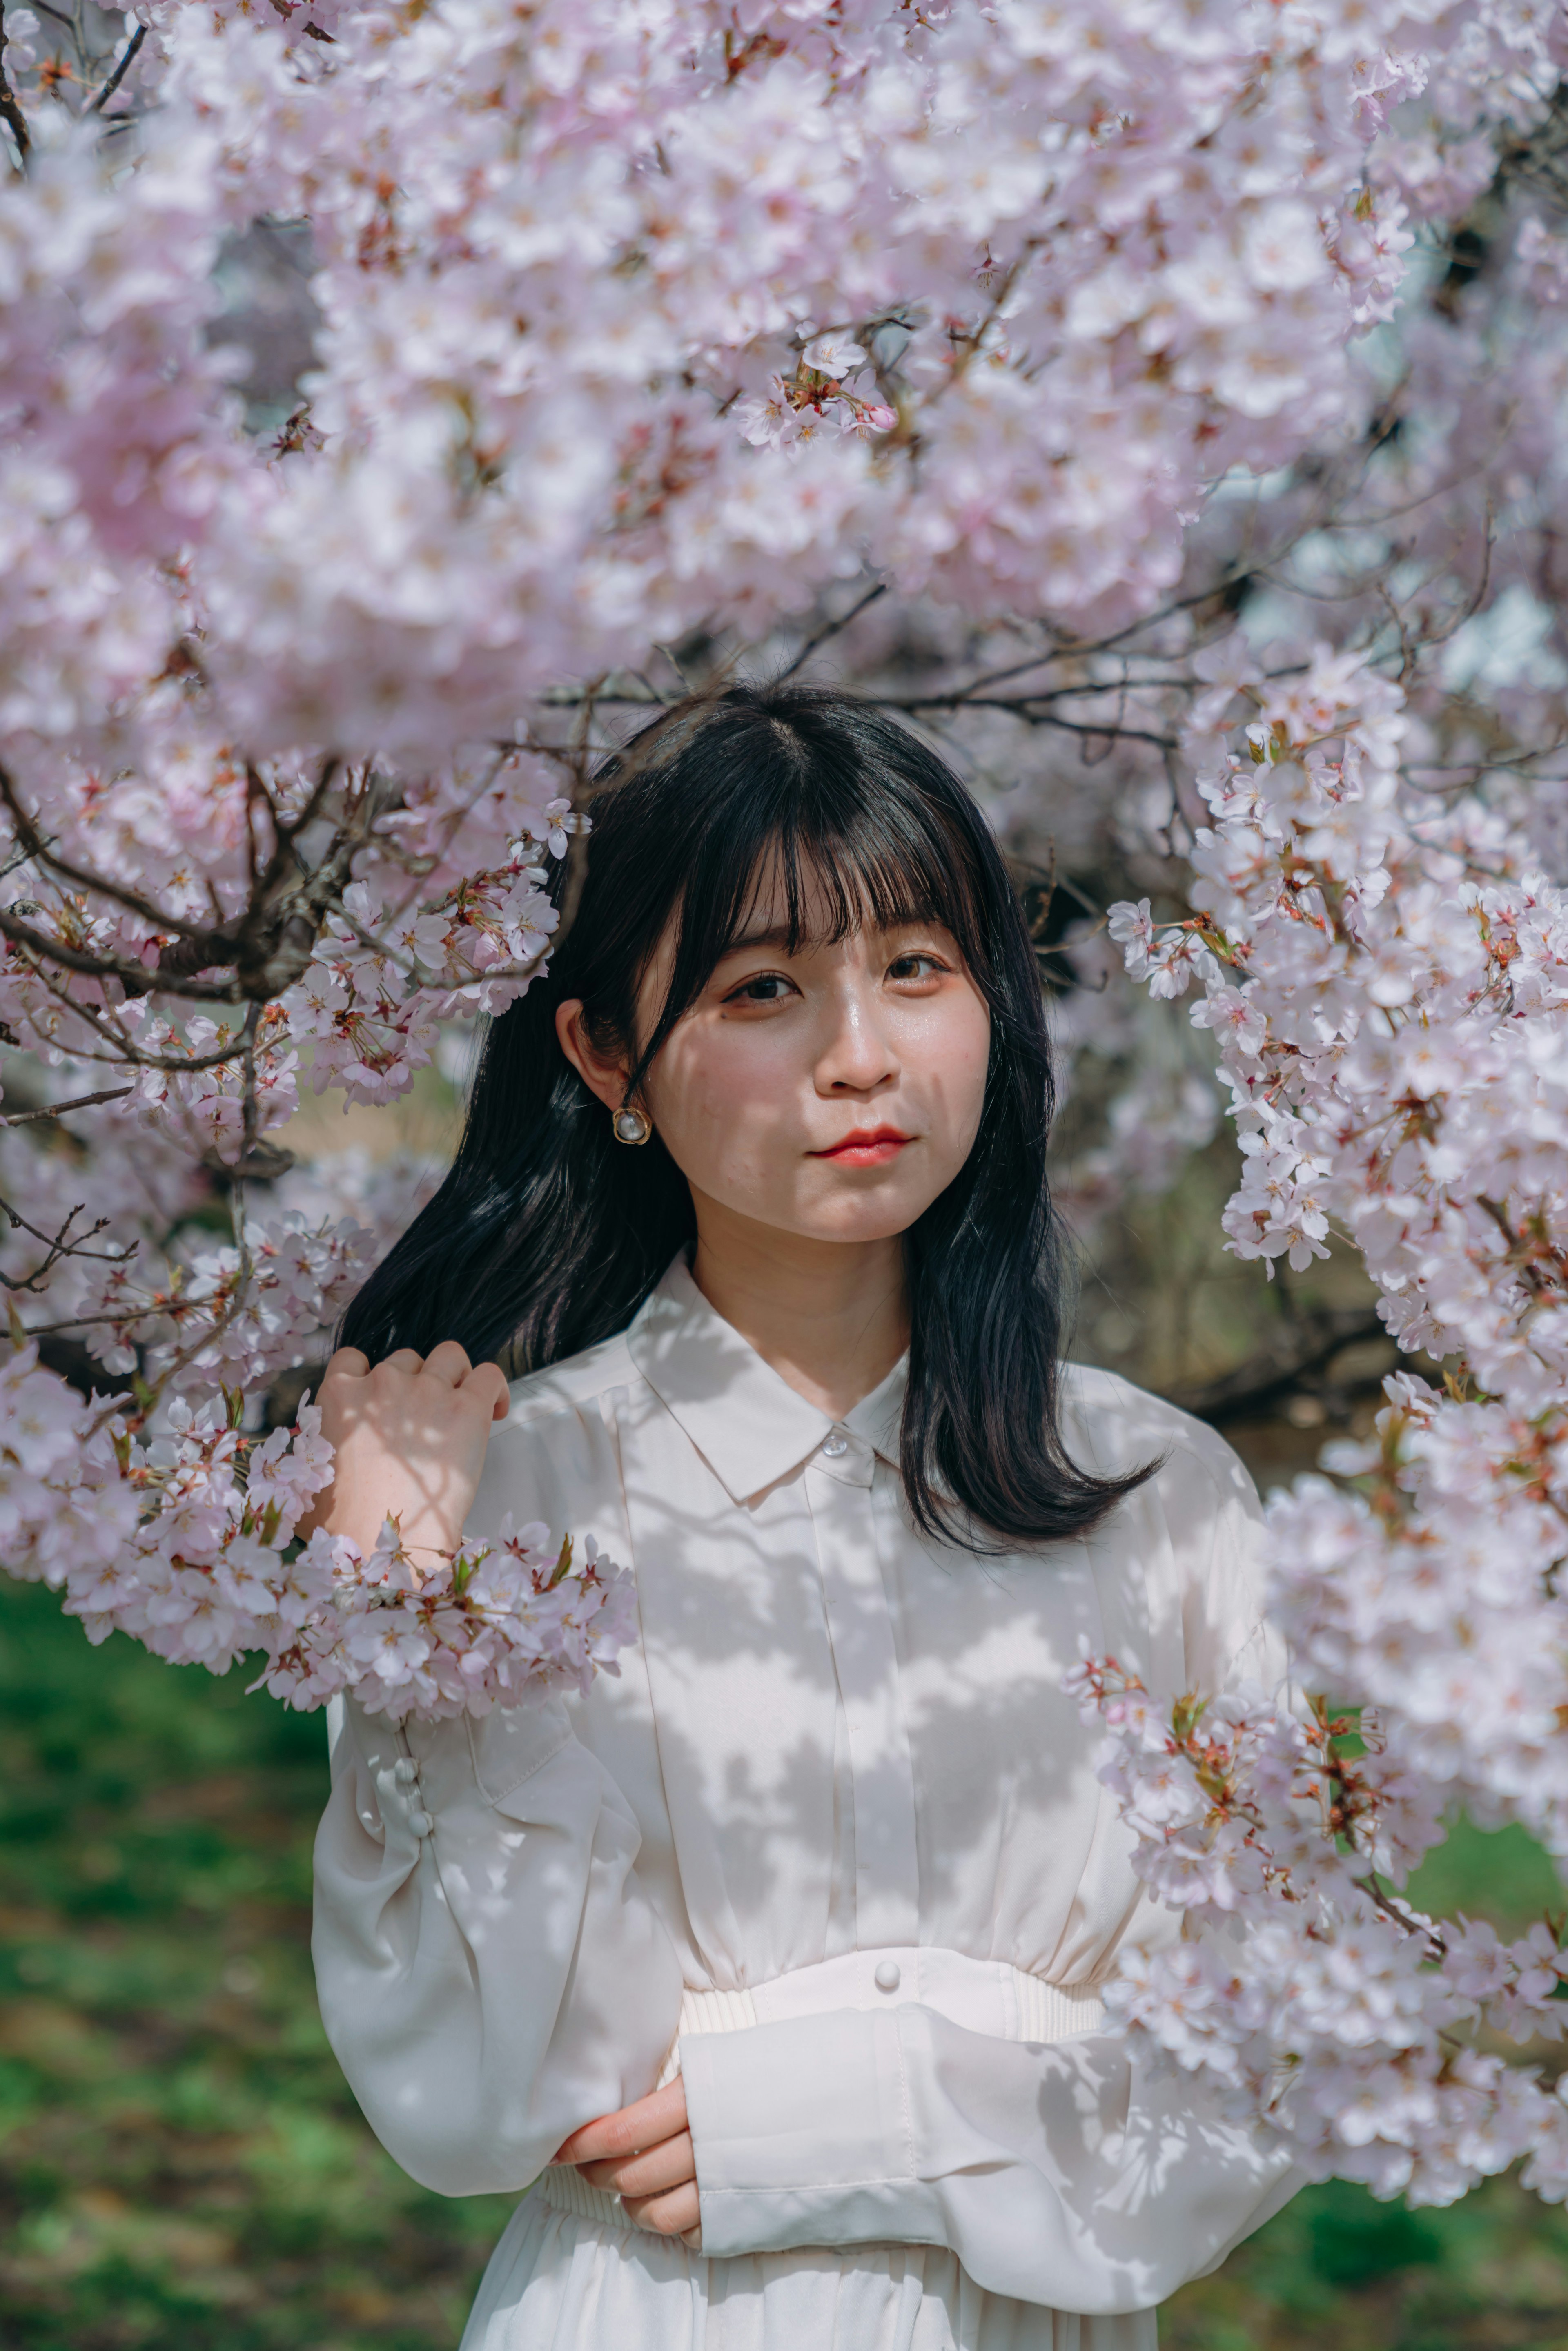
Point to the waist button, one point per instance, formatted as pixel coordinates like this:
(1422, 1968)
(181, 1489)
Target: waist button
(887, 1976)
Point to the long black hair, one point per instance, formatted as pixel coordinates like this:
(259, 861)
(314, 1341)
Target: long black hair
(547, 1235)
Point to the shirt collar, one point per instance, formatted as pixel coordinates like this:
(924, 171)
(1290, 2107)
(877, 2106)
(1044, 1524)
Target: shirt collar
(747, 1423)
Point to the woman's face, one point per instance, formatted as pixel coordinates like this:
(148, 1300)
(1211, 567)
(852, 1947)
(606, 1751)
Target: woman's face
(831, 1093)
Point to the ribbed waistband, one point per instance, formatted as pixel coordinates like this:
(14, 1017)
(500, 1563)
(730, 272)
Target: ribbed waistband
(981, 1995)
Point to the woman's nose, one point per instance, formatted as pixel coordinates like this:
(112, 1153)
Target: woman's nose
(855, 1055)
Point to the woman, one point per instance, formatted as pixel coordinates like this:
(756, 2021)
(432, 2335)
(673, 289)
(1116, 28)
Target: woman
(775, 1964)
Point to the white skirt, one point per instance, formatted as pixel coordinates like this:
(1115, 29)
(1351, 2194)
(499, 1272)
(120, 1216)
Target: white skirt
(558, 2282)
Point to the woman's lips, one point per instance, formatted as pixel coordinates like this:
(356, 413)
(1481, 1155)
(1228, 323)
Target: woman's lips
(868, 1147)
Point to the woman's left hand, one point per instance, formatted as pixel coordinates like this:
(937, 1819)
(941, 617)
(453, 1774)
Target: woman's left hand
(643, 2154)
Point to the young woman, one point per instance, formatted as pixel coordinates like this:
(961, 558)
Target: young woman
(772, 1968)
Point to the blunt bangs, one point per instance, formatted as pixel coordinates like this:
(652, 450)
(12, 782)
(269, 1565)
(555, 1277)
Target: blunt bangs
(845, 844)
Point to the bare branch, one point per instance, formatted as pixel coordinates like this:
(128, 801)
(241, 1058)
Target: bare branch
(32, 1331)
(129, 55)
(58, 1110)
(59, 1245)
(832, 628)
(1025, 707)
(1468, 611)
(1299, 1346)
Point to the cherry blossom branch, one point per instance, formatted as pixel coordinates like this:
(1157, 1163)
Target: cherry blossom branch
(127, 1049)
(33, 843)
(136, 977)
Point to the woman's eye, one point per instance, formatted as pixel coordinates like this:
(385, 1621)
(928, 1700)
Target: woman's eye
(767, 987)
(916, 967)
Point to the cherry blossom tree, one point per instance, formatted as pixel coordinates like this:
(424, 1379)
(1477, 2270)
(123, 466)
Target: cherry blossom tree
(1161, 405)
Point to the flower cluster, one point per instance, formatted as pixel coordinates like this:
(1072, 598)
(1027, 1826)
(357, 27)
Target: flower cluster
(1388, 989)
(1320, 2004)
(377, 986)
(686, 314)
(488, 1627)
(188, 1542)
(1386, 983)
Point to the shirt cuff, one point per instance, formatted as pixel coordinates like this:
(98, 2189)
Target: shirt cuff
(802, 2135)
(423, 1770)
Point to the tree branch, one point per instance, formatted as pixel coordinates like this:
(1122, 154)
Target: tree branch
(831, 628)
(1299, 1345)
(125, 1048)
(33, 841)
(58, 1110)
(135, 976)
(1023, 706)
(59, 1245)
(129, 55)
(11, 113)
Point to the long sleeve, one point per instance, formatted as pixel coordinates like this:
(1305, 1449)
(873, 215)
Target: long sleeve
(1065, 2174)
(496, 1980)
(1061, 2176)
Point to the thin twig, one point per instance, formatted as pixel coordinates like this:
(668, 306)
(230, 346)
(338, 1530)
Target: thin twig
(127, 59)
(31, 1330)
(59, 1245)
(58, 1110)
(831, 628)
(1022, 706)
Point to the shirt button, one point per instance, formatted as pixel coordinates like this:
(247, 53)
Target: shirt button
(405, 1771)
(420, 1822)
(887, 1976)
(835, 1443)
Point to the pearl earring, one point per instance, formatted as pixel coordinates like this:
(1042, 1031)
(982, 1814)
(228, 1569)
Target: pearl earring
(630, 1127)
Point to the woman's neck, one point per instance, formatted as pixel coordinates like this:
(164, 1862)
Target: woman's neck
(831, 1317)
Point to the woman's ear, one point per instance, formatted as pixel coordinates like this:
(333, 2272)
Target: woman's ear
(603, 1076)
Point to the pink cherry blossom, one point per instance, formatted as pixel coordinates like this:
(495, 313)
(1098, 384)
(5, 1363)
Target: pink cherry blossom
(1019, 347)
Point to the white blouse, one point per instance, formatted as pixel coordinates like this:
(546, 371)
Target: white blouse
(832, 1847)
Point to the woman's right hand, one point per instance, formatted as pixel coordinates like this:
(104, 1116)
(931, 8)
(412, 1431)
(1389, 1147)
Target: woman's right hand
(410, 1438)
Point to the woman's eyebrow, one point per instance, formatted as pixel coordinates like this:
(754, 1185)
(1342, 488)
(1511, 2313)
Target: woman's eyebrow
(778, 936)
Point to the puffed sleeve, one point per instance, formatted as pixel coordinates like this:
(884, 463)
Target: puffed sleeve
(1068, 2174)
(491, 1974)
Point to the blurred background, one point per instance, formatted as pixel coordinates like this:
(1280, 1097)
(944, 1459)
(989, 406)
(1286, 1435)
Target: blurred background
(182, 2168)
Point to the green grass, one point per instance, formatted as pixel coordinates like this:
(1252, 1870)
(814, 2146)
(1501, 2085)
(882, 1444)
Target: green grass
(1501, 1875)
(182, 2169)
(1338, 2272)
(181, 2163)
